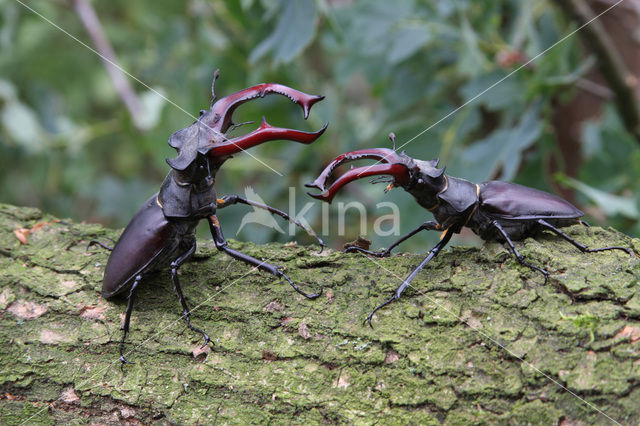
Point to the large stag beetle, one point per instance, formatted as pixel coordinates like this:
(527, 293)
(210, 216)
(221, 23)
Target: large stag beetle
(162, 232)
(494, 210)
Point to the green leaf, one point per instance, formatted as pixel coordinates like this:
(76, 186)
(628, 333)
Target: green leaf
(408, 41)
(610, 204)
(294, 30)
(502, 95)
(503, 148)
(471, 60)
(22, 125)
(152, 104)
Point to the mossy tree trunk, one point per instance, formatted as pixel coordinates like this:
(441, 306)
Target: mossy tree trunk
(478, 339)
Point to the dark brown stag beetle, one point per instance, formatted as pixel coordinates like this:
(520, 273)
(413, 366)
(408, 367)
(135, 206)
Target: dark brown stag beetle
(494, 210)
(162, 232)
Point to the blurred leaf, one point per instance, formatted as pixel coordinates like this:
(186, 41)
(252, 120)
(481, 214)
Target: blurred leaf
(503, 148)
(7, 90)
(22, 125)
(500, 96)
(122, 198)
(592, 139)
(295, 28)
(471, 60)
(610, 204)
(152, 104)
(407, 41)
(8, 27)
(609, 152)
(574, 75)
(384, 66)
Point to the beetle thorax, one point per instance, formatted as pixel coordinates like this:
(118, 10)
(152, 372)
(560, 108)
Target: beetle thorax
(190, 193)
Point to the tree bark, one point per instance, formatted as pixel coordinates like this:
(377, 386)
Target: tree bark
(479, 338)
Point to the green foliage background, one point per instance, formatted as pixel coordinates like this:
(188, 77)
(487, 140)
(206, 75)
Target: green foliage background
(69, 146)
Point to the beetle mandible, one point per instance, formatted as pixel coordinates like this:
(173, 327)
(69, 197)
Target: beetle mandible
(162, 232)
(494, 210)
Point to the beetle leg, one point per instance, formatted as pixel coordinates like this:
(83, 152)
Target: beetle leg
(516, 253)
(127, 317)
(229, 200)
(98, 243)
(446, 236)
(176, 286)
(429, 226)
(580, 246)
(221, 244)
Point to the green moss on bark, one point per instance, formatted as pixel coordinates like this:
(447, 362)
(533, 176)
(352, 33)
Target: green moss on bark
(479, 339)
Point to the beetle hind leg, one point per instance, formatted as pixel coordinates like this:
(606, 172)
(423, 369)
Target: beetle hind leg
(127, 317)
(517, 254)
(176, 286)
(578, 245)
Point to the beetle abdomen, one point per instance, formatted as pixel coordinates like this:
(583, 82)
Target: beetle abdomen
(510, 201)
(139, 246)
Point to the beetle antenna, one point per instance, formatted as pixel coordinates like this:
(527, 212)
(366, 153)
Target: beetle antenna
(213, 83)
(381, 179)
(235, 126)
(392, 136)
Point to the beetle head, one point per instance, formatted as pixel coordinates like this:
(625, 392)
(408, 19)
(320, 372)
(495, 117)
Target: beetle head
(426, 178)
(208, 135)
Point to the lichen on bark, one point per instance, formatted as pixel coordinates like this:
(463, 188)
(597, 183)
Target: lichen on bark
(479, 338)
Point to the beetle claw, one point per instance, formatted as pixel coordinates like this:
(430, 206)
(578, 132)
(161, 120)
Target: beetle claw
(368, 319)
(296, 288)
(314, 295)
(207, 340)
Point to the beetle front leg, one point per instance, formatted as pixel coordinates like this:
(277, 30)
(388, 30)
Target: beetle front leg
(580, 246)
(516, 253)
(127, 317)
(429, 226)
(446, 236)
(176, 286)
(229, 200)
(221, 244)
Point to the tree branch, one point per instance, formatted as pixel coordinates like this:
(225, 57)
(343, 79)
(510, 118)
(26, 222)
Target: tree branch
(478, 339)
(621, 81)
(89, 19)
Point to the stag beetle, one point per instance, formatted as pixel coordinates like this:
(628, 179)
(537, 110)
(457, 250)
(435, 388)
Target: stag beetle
(494, 210)
(162, 232)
